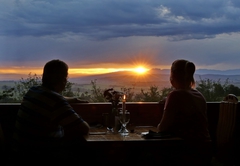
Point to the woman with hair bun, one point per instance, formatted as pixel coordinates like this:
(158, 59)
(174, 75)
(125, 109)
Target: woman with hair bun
(185, 112)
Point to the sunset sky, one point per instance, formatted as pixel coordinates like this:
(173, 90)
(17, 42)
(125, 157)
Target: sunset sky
(98, 36)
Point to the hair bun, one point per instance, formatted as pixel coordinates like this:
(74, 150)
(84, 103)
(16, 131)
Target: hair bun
(189, 68)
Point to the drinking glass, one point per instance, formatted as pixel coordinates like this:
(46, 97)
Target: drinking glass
(124, 120)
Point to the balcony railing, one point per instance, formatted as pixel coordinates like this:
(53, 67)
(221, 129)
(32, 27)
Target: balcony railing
(142, 113)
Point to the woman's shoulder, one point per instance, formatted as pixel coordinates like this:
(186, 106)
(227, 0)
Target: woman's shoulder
(179, 92)
(184, 93)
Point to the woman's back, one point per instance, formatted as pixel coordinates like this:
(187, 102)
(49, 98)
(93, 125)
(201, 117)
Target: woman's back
(187, 111)
(185, 115)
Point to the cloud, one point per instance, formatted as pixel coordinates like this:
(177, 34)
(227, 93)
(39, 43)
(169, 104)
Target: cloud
(93, 33)
(179, 20)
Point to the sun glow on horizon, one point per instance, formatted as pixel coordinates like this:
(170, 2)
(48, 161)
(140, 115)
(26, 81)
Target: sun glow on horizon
(92, 71)
(74, 71)
(18, 72)
(140, 70)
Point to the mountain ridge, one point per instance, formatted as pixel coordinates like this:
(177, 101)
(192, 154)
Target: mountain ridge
(155, 72)
(156, 77)
(204, 72)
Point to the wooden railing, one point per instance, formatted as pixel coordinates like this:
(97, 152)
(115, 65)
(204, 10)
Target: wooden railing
(142, 113)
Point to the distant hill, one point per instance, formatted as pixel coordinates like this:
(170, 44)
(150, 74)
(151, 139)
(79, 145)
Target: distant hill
(124, 77)
(154, 77)
(11, 77)
(159, 74)
(219, 72)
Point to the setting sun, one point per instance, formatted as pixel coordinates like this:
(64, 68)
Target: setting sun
(140, 70)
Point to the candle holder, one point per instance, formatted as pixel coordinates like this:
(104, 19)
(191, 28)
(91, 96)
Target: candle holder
(124, 118)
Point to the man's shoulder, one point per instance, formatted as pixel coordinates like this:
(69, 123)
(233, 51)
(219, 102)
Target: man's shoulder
(47, 93)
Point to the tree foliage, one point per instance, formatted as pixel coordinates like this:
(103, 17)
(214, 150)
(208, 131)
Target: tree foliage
(68, 90)
(16, 93)
(7, 94)
(211, 90)
(214, 90)
(96, 93)
(23, 85)
(129, 92)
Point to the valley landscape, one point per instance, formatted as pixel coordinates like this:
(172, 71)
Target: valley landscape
(127, 79)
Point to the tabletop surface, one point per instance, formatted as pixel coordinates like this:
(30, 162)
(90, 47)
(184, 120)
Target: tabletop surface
(102, 134)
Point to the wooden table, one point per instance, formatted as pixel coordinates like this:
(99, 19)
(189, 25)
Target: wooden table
(109, 147)
(100, 134)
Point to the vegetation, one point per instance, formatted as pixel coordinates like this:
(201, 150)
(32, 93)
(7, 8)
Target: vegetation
(211, 90)
(215, 91)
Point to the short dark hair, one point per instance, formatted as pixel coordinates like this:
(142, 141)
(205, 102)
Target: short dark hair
(53, 72)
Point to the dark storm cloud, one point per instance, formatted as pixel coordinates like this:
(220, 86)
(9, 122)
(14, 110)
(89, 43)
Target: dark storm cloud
(185, 19)
(92, 32)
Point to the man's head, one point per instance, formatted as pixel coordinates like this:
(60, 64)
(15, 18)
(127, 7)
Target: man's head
(55, 74)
